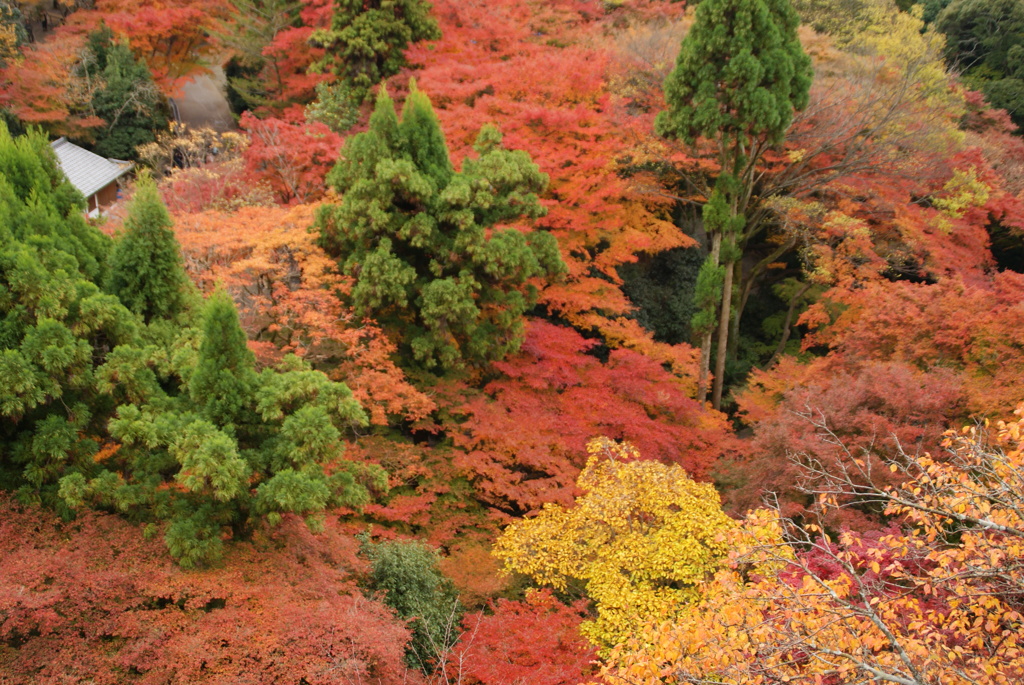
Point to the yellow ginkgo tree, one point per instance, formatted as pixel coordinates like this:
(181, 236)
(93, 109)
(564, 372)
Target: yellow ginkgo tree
(641, 538)
(935, 599)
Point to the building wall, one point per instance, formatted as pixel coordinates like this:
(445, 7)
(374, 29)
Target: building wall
(107, 195)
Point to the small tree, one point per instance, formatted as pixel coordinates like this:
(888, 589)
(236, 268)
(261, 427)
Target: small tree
(740, 74)
(146, 271)
(424, 242)
(642, 538)
(408, 577)
(367, 39)
(224, 379)
(124, 96)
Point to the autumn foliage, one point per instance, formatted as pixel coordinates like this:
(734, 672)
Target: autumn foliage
(568, 396)
(502, 273)
(640, 539)
(286, 288)
(535, 640)
(934, 598)
(95, 601)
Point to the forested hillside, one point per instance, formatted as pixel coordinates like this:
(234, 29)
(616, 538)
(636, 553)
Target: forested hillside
(507, 342)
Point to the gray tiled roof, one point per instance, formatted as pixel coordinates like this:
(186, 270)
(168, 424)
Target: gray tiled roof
(87, 171)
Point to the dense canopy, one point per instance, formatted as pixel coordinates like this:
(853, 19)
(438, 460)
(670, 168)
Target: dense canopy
(489, 342)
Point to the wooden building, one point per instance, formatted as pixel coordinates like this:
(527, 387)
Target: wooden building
(94, 176)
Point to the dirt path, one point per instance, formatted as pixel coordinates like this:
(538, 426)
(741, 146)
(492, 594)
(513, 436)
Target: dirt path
(203, 104)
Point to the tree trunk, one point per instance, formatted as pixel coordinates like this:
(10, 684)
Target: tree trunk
(723, 337)
(738, 307)
(787, 327)
(705, 346)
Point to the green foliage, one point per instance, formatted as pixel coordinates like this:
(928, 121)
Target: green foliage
(740, 73)
(707, 295)
(985, 40)
(406, 573)
(931, 9)
(41, 209)
(422, 240)
(56, 327)
(237, 445)
(367, 39)
(127, 98)
(336, 106)
(662, 286)
(224, 380)
(146, 271)
(250, 28)
(134, 410)
(244, 90)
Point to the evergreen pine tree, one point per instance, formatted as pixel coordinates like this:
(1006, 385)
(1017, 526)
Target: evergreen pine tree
(146, 271)
(418, 237)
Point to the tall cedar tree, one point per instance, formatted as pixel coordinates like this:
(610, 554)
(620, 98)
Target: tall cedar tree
(367, 39)
(423, 241)
(739, 76)
(146, 271)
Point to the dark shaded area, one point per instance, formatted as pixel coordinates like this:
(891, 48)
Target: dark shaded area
(1007, 247)
(662, 287)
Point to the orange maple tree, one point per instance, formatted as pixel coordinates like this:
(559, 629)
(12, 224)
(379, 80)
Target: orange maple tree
(93, 600)
(566, 394)
(286, 290)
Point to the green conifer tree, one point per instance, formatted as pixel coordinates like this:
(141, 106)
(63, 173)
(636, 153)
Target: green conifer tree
(127, 98)
(419, 238)
(224, 380)
(367, 39)
(740, 74)
(56, 327)
(38, 205)
(163, 422)
(146, 271)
